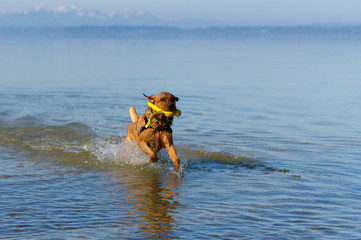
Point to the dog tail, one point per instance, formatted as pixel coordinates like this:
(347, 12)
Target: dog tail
(133, 114)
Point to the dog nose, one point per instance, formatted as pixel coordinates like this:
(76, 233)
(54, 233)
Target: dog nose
(171, 106)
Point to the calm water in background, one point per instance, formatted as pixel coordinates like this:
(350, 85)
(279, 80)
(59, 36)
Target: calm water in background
(269, 139)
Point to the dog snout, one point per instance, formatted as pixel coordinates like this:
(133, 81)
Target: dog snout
(172, 106)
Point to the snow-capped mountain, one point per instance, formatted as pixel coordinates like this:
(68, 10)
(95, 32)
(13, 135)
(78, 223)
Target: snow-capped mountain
(73, 15)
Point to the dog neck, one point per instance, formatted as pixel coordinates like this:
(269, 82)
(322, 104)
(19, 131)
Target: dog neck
(157, 119)
(158, 123)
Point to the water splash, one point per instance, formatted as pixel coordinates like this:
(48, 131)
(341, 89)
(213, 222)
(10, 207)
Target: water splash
(119, 153)
(129, 155)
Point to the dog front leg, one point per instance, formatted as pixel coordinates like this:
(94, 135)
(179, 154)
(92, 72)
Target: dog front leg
(149, 151)
(172, 153)
(173, 156)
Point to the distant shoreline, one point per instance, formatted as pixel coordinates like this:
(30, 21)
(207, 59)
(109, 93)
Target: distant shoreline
(160, 32)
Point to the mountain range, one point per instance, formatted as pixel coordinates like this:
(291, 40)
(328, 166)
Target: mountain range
(73, 15)
(75, 21)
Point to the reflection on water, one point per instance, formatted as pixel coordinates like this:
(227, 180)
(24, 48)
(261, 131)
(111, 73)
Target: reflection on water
(152, 198)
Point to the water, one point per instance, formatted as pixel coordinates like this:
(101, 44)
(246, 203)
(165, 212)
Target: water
(269, 139)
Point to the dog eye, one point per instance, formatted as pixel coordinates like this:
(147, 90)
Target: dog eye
(162, 99)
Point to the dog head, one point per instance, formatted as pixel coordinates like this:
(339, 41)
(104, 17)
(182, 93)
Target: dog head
(164, 100)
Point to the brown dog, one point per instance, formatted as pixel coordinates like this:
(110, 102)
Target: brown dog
(152, 131)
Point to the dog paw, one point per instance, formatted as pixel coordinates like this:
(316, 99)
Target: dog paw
(153, 160)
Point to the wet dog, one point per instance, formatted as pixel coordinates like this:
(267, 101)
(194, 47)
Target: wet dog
(152, 131)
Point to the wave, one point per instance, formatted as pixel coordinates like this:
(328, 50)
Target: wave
(77, 144)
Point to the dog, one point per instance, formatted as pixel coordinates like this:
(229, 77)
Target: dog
(152, 131)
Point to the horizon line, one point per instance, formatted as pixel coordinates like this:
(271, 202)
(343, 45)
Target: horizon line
(190, 28)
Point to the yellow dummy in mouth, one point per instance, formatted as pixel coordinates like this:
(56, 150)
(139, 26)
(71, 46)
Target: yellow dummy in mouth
(158, 111)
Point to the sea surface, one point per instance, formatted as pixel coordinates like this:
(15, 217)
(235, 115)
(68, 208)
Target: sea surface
(269, 139)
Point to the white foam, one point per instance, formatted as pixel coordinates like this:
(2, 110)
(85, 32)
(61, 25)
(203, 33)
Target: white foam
(124, 154)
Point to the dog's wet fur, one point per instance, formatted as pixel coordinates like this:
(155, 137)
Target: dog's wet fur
(159, 134)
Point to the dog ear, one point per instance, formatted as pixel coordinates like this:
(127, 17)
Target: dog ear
(150, 98)
(175, 98)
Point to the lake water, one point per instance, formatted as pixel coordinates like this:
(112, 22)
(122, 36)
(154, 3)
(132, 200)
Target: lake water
(269, 139)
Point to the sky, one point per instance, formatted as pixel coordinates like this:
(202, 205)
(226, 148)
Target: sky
(280, 12)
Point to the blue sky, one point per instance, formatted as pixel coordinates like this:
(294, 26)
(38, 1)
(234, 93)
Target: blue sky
(288, 12)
